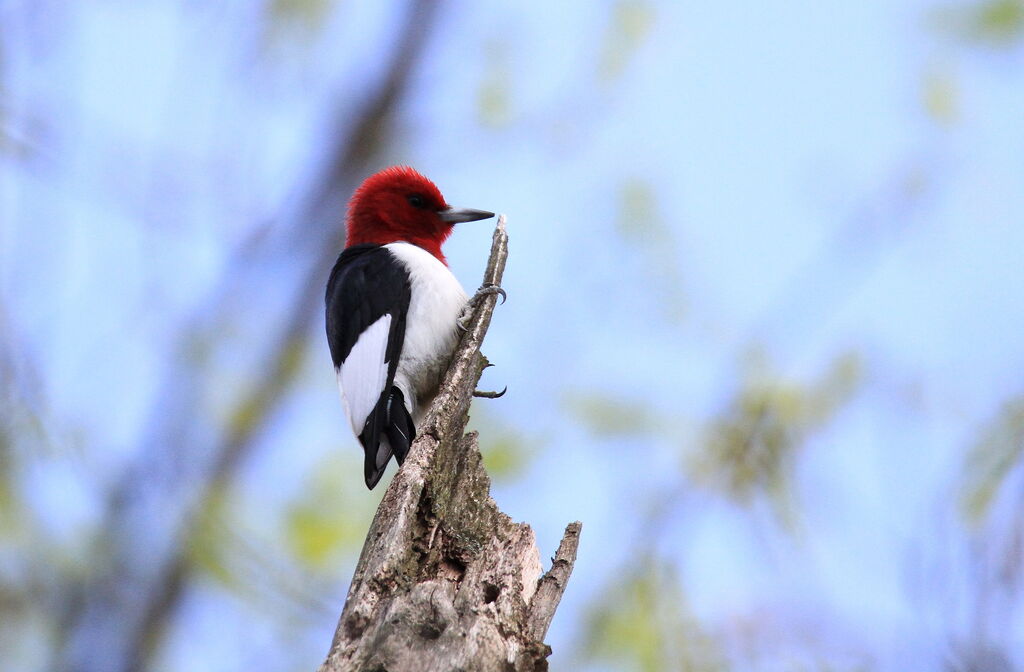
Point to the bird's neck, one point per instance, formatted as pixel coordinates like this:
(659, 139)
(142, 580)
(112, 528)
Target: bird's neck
(430, 244)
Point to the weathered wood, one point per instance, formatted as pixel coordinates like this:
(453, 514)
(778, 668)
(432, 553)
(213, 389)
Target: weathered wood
(445, 580)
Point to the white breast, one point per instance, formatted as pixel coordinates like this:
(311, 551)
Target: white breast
(436, 302)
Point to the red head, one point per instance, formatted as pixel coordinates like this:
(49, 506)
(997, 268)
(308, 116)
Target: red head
(400, 204)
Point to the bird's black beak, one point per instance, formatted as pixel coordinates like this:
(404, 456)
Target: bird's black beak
(459, 215)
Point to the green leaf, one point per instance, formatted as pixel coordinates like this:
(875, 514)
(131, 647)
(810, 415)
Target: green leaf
(307, 15)
(993, 23)
(750, 449)
(330, 516)
(505, 450)
(630, 24)
(494, 98)
(206, 547)
(643, 623)
(998, 450)
(941, 96)
(607, 416)
(998, 21)
(641, 226)
(250, 410)
(315, 535)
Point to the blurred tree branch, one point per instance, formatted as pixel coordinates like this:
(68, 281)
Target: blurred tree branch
(141, 557)
(748, 450)
(446, 580)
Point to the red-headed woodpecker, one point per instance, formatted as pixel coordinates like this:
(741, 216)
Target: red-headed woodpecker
(393, 309)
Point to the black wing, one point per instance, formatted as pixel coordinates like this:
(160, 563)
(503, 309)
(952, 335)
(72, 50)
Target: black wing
(367, 301)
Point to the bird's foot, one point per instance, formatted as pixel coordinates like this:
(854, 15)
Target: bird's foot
(489, 289)
(490, 395)
(467, 312)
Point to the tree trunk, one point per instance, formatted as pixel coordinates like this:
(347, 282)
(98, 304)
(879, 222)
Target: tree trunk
(446, 581)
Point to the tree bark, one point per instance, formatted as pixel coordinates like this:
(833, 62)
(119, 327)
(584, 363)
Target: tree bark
(445, 580)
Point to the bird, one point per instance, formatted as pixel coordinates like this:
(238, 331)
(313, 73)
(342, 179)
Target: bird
(393, 310)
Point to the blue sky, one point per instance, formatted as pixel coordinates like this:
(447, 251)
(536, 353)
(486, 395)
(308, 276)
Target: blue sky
(806, 201)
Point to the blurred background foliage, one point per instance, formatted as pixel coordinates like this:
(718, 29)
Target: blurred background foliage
(752, 447)
(763, 333)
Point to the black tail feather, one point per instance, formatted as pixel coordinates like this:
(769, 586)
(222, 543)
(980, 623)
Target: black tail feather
(399, 426)
(389, 430)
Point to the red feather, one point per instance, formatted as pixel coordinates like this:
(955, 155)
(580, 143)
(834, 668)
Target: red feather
(381, 212)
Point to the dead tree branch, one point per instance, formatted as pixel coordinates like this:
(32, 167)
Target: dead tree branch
(446, 581)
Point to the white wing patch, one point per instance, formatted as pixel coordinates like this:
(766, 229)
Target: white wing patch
(361, 377)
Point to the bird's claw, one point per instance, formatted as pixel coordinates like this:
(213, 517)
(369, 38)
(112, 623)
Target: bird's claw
(490, 395)
(485, 290)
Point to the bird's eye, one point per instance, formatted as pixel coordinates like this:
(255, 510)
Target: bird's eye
(416, 201)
